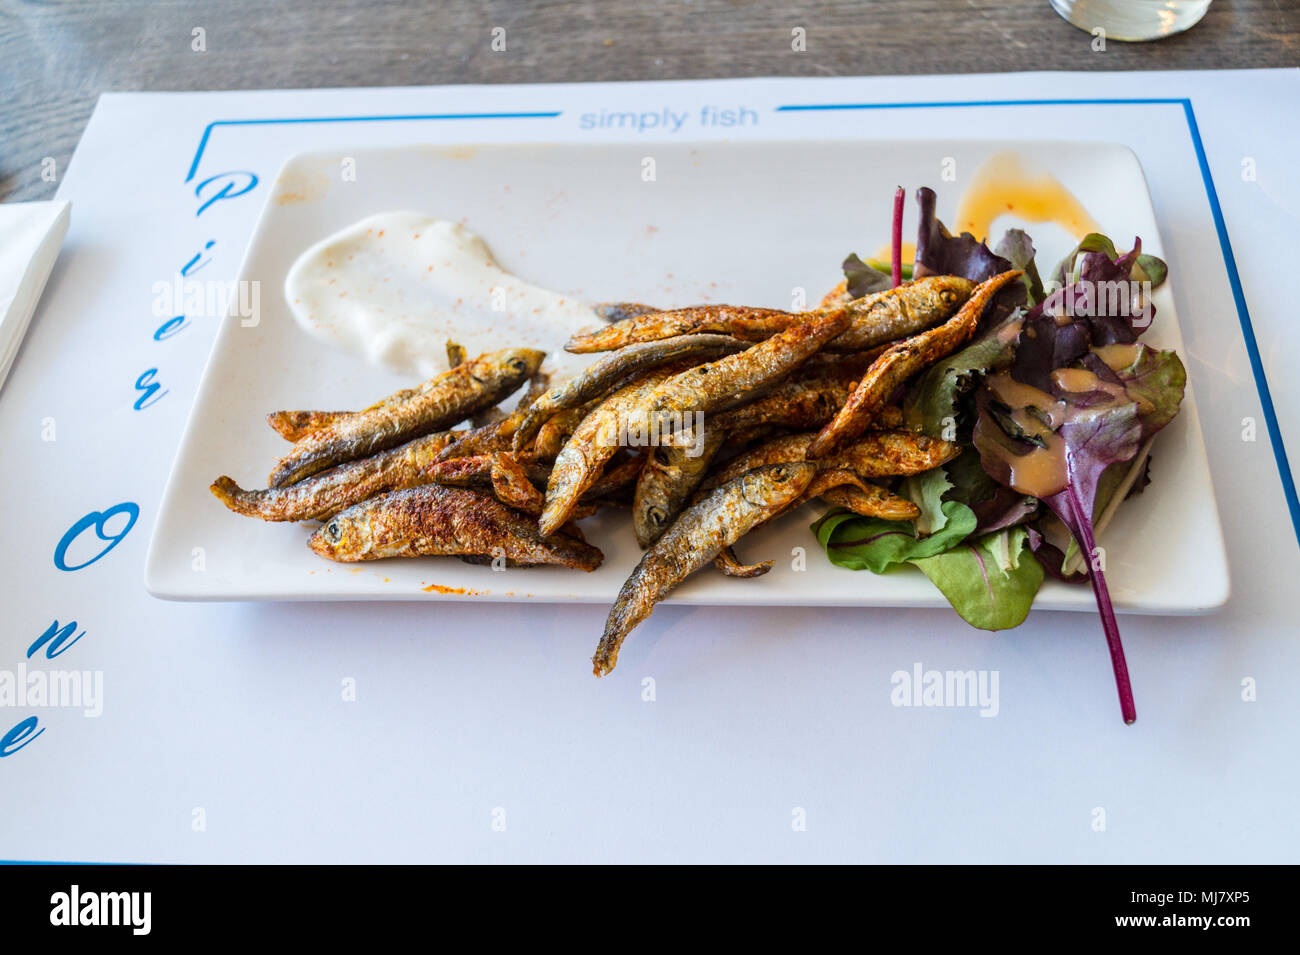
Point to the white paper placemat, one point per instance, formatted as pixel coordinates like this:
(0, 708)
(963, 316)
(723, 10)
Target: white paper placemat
(475, 732)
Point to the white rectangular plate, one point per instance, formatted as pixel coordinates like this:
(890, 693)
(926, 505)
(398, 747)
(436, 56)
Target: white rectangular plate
(722, 222)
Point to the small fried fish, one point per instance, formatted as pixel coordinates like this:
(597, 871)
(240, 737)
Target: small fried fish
(874, 319)
(900, 362)
(870, 501)
(431, 520)
(730, 565)
(875, 454)
(296, 425)
(695, 539)
(595, 440)
(617, 311)
(327, 493)
(739, 321)
(607, 372)
(440, 403)
(666, 483)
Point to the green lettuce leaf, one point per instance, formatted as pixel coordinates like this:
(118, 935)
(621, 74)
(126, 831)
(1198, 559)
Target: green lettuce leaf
(1149, 267)
(862, 278)
(875, 544)
(1156, 380)
(930, 403)
(990, 581)
(1018, 249)
(926, 491)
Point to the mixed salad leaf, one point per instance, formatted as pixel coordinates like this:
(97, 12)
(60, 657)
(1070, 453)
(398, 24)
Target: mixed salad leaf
(1055, 402)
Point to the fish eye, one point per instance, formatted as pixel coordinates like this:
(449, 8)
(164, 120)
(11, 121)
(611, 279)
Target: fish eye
(780, 473)
(519, 365)
(333, 531)
(656, 516)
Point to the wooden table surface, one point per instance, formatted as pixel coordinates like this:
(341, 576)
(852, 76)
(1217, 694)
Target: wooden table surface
(56, 57)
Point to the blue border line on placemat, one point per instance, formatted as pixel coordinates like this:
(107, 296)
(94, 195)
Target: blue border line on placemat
(1225, 245)
(207, 132)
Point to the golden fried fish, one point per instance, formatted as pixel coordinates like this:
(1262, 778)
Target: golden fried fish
(326, 493)
(433, 520)
(440, 403)
(900, 362)
(695, 539)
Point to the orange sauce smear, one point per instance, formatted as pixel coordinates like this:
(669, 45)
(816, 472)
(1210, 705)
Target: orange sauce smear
(1002, 186)
(440, 589)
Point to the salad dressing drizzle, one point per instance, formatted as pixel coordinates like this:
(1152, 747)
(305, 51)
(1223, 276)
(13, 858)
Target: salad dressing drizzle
(1118, 357)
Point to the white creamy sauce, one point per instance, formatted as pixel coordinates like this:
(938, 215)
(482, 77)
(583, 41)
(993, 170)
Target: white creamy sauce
(396, 287)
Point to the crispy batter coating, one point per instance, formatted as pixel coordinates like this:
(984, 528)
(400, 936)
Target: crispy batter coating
(861, 497)
(606, 373)
(902, 361)
(556, 431)
(511, 485)
(327, 493)
(871, 501)
(730, 565)
(693, 540)
(596, 439)
(666, 483)
(440, 403)
(874, 319)
(296, 425)
(433, 519)
(875, 454)
(740, 321)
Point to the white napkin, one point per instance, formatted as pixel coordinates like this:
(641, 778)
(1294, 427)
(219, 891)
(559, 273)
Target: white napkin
(30, 236)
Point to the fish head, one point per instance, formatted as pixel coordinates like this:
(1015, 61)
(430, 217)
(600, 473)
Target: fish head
(950, 291)
(342, 537)
(777, 485)
(508, 365)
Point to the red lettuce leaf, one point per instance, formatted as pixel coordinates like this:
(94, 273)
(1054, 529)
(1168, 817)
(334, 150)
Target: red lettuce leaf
(1091, 438)
(939, 252)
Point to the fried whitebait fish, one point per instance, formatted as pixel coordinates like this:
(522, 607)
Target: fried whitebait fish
(594, 441)
(605, 373)
(731, 565)
(697, 390)
(874, 319)
(739, 321)
(435, 520)
(694, 540)
(666, 483)
(875, 454)
(617, 311)
(329, 492)
(869, 500)
(437, 404)
(295, 425)
(902, 361)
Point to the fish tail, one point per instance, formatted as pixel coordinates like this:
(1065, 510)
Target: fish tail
(235, 497)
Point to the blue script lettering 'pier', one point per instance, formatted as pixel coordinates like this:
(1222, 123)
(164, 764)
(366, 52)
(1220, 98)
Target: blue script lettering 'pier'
(99, 521)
